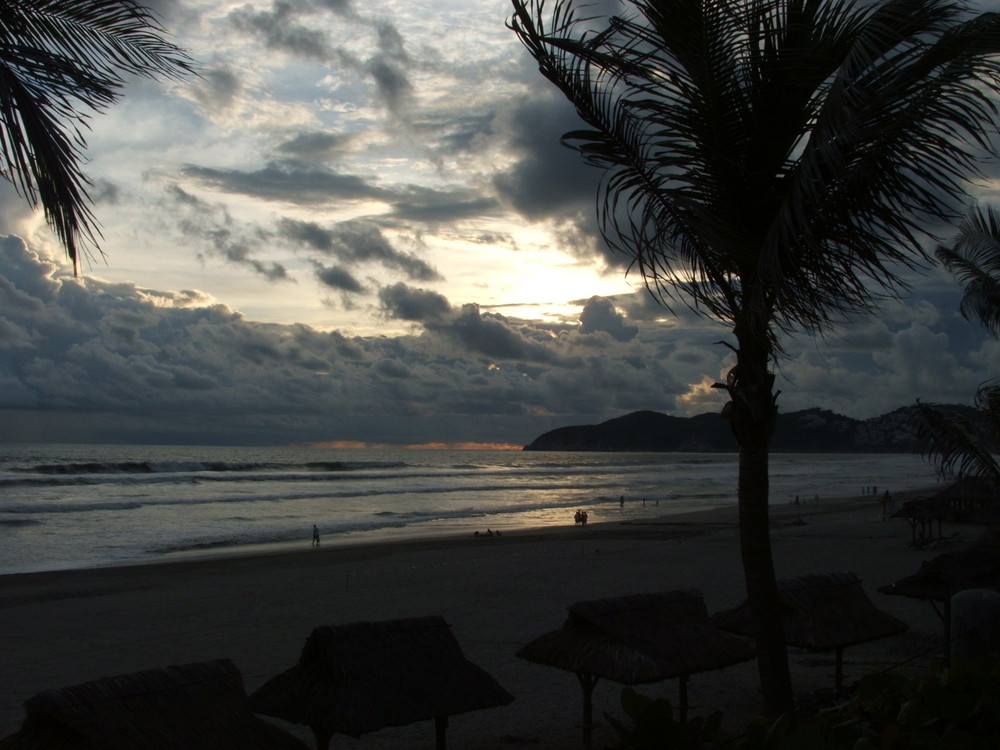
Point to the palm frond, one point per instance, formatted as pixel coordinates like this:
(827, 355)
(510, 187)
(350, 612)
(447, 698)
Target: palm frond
(955, 444)
(974, 260)
(60, 61)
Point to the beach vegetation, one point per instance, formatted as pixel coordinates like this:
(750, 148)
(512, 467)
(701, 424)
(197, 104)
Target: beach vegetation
(61, 61)
(954, 707)
(778, 166)
(651, 724)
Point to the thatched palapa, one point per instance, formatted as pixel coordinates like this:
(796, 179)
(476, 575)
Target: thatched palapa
(923, 515)
(186, 707)
(822, 612)
(360, 677)
(634, 640)
(971, 499)
(940, 578)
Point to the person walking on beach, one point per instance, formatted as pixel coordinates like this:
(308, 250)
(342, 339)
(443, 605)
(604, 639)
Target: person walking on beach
(315, 542)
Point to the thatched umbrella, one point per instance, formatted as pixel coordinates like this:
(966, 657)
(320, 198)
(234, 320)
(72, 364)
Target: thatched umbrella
(822, 612)
(186, 707)
(969, 498)
(938, 579)
(363, 676)
(923, 514)
(635, 640)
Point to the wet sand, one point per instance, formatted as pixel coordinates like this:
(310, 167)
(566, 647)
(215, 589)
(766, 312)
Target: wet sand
(497, 593)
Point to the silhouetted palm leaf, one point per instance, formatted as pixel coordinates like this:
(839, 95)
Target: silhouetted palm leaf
(959, 446)
(975, 262)
(61, 60)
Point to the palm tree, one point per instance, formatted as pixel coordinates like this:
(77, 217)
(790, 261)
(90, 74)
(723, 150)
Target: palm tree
(771, 163)
(61, 60)
(960, 446)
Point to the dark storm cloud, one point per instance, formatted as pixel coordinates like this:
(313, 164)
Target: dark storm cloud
(162, 9)
(304, 182)
(357, 242)
(213, 230)
(339, 278)
(289, 181)
(437, 207)
(363, 241)
(105, 361)
(287, 27)
(388, 66)
(599, 314)
(340, 7)
(217, 88)
(103, 191)
(548, 180)
(403, 302)
(392, 82)
(492, 335)
(450, 133)
(280, 29)
(315, 146)
(150, 364)
(392, 368)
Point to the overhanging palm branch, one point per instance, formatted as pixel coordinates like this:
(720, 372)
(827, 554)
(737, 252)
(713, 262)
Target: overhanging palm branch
(60, 61)
(974, 260)
(961, 447)
(773, 155)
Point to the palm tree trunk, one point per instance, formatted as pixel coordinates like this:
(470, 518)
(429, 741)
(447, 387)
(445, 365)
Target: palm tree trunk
(752, 413)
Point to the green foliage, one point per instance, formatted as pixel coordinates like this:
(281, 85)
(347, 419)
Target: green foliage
(954, 709)
(653, 726)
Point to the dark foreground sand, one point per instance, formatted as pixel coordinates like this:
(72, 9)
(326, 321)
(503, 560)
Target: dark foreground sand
(64, 628)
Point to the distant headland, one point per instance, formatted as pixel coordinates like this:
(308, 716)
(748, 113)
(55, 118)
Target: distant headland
(807, 431)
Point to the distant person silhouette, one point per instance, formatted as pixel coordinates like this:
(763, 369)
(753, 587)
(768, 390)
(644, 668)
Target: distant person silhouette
(315, 542)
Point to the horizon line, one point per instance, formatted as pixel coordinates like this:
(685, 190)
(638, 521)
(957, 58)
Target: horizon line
(466, 445)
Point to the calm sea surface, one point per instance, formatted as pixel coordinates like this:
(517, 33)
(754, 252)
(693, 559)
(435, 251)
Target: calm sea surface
(72, 506)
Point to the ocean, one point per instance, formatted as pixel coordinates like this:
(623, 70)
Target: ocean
(76, 506)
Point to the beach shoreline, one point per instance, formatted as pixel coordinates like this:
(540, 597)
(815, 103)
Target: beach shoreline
(497, 593)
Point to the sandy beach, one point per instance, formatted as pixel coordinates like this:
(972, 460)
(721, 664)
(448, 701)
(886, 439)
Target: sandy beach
(497, 593)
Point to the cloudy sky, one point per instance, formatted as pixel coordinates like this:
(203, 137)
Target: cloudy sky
(358, 225)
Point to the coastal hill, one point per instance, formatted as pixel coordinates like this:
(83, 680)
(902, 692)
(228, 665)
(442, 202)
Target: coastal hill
(807, 431)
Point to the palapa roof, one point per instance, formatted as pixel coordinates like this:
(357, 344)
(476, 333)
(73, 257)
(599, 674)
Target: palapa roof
(822, 612)
(977, 499)
(363, 676)
(638, 639)
(931, 509)
(979, 489)
(975, 567)
(185, 707)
